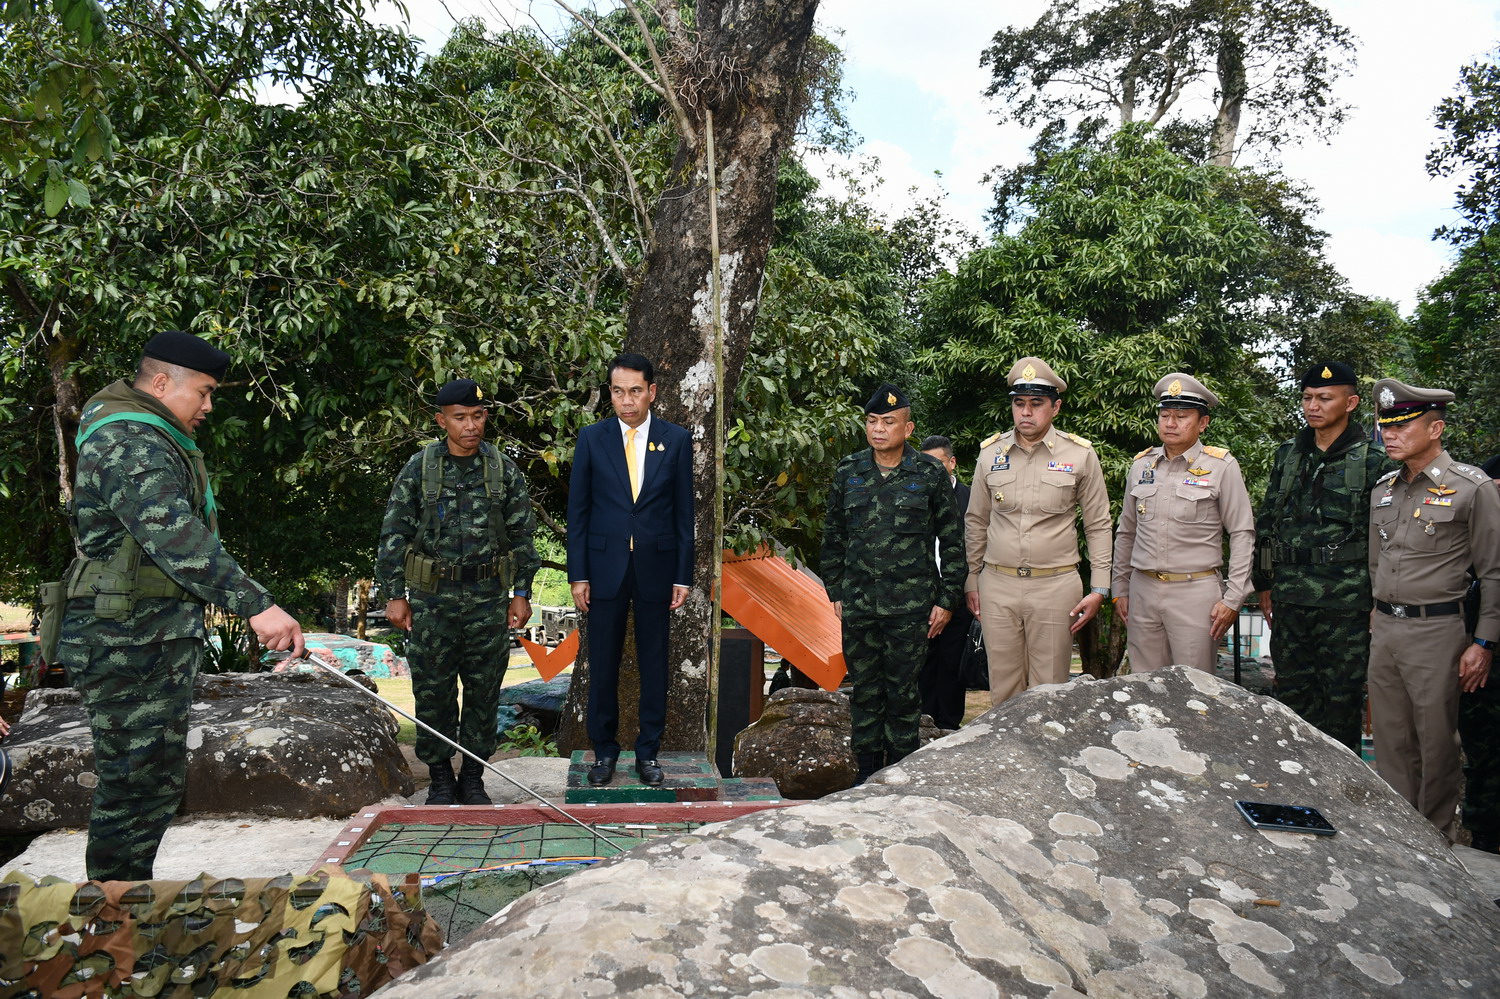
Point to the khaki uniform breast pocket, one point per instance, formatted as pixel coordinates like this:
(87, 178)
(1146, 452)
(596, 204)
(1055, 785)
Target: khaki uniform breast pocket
(1143, 496)
(1004, 493)
(1194, 504)
(1385, 520)
(1440, 531)
(1058, 491)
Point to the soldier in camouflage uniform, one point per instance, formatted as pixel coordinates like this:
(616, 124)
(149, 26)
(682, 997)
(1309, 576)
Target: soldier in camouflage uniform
(467, 560)
(888, 505)
(132, 628)
(1479, 727)
(1311, 567)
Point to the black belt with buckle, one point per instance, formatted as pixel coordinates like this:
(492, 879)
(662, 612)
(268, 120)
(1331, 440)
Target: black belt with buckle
(473, 573)
(1419, 610)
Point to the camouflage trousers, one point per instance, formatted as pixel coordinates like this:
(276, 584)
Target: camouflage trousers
(884, 655)
(458, 635)
(1321, 655)
(138, 699)
(1479, 728)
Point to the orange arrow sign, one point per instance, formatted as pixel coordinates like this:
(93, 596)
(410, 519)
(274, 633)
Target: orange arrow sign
(550, 662)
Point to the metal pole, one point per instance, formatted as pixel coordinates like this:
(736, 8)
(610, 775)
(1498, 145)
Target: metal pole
(434, 732)
(716, 610)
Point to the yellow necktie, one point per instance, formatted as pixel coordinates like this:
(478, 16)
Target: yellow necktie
(632, 463)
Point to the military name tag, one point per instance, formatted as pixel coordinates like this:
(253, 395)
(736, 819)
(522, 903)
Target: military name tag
(1060, 466)
(1001, 464)
(1384, 500)
(1196, 482)
(1437, 501)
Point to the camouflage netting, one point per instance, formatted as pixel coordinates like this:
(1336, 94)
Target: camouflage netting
(298, 937)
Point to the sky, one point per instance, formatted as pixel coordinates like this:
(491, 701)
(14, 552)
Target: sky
(919, 107)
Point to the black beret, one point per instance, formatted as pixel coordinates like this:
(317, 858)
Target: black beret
(188, 351)
(886, 399)
(460, 392)
(1329, 373)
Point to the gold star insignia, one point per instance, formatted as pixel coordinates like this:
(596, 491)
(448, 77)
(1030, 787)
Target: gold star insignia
(1175, 388)
(1327, 373)
(890, 397)
(1028, 372)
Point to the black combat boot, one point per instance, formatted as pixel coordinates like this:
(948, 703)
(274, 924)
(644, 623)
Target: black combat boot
(471, 784)
(868, 763)
(440, 791)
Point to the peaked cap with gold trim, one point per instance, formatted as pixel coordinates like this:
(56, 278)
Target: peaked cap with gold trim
(1032, 376)
(1182, 391)
(1397, 402)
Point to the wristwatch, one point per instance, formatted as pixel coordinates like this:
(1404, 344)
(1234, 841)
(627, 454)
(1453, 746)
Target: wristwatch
(1485, 643)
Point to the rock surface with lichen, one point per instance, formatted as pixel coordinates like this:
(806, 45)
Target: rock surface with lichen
(283, 745)
(1079, 840)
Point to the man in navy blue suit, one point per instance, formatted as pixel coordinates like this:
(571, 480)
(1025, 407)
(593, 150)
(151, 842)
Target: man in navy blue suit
(630, 542)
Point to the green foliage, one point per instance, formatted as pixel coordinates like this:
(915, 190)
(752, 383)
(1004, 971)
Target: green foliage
(1470, 150)
(1134, 263)
(527, 740)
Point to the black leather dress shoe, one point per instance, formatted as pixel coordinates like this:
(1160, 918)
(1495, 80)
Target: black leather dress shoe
(602, 772)
(649, 773)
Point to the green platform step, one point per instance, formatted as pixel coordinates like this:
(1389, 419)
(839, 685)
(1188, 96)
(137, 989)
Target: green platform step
(689, 777)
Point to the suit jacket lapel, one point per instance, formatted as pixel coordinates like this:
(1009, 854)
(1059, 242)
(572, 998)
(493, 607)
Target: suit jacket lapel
(655, 454)
(614, 448)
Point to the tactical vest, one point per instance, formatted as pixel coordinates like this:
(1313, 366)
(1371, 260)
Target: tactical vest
(425, 572)
(1353, 547)
(117, 583)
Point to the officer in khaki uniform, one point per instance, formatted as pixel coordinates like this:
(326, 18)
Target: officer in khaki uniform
(1429, 521)
(1181, 498)
(1022, 542)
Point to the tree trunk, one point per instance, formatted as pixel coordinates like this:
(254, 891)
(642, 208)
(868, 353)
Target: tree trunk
(341, 605)
(1101, 644)
(746, 65)
(361, 608)
(1232, 90)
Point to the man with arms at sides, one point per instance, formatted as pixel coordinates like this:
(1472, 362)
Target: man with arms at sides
(1311, 567)
(941, 685)
(456, 559)
(1181, 498)
(890, 525)
(630, 543)
(132, 631)
(1031, 483)
(1429, 522)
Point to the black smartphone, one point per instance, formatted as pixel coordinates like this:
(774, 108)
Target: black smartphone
(1287, 818)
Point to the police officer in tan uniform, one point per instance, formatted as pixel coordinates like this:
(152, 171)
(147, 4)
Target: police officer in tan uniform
(1429, 521)
(1021, 540)
(1181, 499)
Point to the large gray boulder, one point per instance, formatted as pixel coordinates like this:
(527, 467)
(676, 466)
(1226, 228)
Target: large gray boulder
(284, 745)
(1081, 839)
(801, 741)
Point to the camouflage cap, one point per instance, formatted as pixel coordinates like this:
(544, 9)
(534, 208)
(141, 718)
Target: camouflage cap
(187, 351)
(1182, 391)
(460, 392)
(1032, 376)
(1397, 402)
(1329, 373)
(886, 399)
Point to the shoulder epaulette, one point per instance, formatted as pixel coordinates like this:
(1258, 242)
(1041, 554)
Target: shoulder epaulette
(1144, 453)
(992, 438)
(1470, 471)
(1083, 441)
(1387, 476)
(1215, 452)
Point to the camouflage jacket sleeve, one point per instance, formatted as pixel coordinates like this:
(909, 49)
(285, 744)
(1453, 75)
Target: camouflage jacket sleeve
(403, 515)
(520, 526)
(835, 531)
(949, 531)
(146, 485)
(1265, 516)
